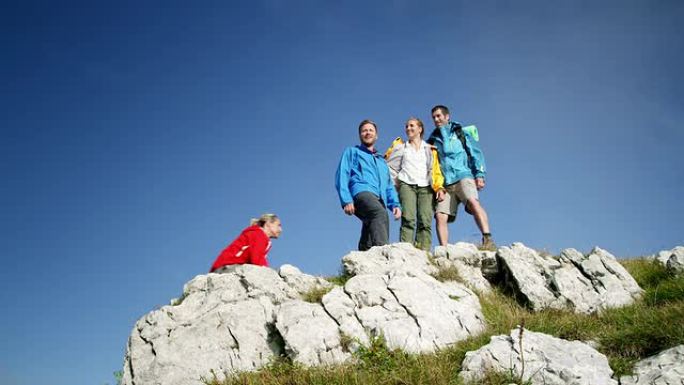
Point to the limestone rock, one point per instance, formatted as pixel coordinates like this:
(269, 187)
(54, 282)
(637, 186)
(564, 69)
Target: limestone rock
(475, 267)
(385, 259)
(299, 281)
(343, 310)
(547, 360)
(311, 336)
(585, 284)
(224, 324)
(676, 260)
(665, 368)
(672, 259)
(241, 319)
(413, 311)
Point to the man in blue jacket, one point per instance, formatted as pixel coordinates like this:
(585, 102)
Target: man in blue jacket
(463, 166)
(365, 188)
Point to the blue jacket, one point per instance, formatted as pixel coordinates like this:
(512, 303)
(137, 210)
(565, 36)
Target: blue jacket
(361, 170)
(453, 159)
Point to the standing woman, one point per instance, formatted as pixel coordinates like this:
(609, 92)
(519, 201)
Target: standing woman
(252, 245)
(414, 166)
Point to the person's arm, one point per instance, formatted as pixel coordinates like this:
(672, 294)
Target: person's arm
(436, 174)
(392, 198)
(259, 245)
(394, 156)
(473, 140)
(342, 178)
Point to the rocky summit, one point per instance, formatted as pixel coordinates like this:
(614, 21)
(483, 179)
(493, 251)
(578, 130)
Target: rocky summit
(243, 318)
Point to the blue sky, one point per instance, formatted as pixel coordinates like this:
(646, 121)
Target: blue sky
(139, 138)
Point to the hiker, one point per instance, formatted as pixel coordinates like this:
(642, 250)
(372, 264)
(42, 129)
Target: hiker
(414, 166)
(365, 188)
(462, 164)
(252, 245)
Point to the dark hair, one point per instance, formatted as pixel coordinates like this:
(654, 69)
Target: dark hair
(367, 121)
(444, 109)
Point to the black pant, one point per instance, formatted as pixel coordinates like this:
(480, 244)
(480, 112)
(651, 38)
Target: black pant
(371, 211)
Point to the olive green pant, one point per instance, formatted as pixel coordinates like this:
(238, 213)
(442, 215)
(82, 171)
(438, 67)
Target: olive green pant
(416, 215)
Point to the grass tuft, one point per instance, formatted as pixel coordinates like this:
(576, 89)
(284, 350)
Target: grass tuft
(647, 272)
(446, 274)
(315, 295)
(341, 279)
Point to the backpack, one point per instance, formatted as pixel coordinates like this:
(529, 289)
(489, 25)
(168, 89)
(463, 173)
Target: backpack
(461, 136)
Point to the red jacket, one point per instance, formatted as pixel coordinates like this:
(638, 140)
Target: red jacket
(251, 247)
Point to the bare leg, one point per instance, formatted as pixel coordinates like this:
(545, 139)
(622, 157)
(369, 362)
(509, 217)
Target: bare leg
(442, 229)
(479, 214)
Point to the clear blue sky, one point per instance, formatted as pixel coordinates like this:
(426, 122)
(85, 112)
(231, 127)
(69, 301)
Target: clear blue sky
(138, 138)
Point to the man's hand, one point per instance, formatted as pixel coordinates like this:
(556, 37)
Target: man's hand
(348, 209)
(397, 213)
(440, 195)
(479, 183)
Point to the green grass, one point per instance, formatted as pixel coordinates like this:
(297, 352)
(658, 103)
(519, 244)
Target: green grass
(445, 274)
(646, 272)
(624, 335)
(339, 280)
(315, 295)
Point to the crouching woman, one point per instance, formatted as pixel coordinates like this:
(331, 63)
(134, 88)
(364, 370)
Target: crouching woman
(252, 245)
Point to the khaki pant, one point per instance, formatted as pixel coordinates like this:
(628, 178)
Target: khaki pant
(416, 215)
(458, 192)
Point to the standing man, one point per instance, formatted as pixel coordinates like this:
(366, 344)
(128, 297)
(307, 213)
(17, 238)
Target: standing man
(463, 167)
(365, 188)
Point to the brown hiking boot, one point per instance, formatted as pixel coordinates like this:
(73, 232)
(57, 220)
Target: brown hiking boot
(487, 244)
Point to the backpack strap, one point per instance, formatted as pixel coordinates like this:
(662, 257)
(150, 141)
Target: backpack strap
(461, 136)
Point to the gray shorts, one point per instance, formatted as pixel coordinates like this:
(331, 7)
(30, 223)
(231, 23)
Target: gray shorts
(458, 192)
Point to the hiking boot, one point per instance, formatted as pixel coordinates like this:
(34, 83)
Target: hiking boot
(487, 244)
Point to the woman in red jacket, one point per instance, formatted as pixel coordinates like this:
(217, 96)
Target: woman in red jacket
(252, 245)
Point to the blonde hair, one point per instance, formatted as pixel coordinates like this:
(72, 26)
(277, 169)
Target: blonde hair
(263, 219)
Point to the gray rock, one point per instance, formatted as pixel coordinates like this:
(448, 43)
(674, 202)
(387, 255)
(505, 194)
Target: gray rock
(547, 360)
(672, 259)
(385, 259)
(311, 336)
(529, 274)
(676, 260)
(343, 310)
(665, 368)
(475, 267)
(584, 284)
(224, 323)
(299, 281)
(241, 319)
(609, 278)
(415, 312)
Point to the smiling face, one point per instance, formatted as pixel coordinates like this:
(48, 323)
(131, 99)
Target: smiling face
(440, 118)
(368, 134)
(273, 228)
(414, 129)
